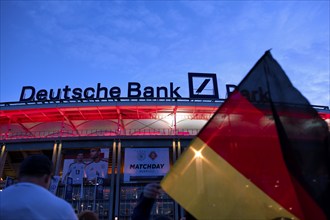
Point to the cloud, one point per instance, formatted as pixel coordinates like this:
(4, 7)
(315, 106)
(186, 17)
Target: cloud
(169, 39)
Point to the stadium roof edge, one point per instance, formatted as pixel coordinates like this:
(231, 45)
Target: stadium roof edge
(111, 102)
(122, 102)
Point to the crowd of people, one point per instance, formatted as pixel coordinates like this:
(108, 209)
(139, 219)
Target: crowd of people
(31, 199)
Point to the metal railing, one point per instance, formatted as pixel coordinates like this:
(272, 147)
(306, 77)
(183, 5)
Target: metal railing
(96, 133)
(109, 101)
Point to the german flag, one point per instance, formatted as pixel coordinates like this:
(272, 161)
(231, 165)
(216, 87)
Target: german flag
(263, 155)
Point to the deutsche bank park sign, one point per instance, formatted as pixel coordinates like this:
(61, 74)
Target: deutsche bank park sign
(201, 85)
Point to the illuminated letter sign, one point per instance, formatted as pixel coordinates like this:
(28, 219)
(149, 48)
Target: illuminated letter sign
(258, 95)
(135, 90)
(203, 85)
(29, 91)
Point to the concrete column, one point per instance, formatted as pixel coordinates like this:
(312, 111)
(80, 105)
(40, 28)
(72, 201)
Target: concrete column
(3, 157)
(58, 159)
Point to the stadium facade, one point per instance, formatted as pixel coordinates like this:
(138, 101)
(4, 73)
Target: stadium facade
(138, 136)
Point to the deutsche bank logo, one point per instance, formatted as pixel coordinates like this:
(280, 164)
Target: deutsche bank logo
(203, 85)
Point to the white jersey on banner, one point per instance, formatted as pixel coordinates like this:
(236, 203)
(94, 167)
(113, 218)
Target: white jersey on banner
(77, 172)
(97, 169)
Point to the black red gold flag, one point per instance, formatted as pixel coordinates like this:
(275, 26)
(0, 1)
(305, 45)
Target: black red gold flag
(263, 155)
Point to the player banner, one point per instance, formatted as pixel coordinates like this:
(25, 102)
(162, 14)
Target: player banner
(99, 188)
(87, 163)
(54, 184)
(9, 181)
(68, 188)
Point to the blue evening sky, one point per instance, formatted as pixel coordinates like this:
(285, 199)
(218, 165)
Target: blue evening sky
(50, 44)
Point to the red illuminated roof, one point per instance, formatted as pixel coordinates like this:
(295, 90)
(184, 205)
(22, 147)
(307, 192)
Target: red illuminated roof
(40, 120)
(112, 118)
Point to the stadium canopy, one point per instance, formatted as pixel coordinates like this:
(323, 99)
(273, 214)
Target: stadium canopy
(86, 118)
(52, 120)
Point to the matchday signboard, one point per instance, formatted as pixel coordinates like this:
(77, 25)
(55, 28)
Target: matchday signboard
(145, 164)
